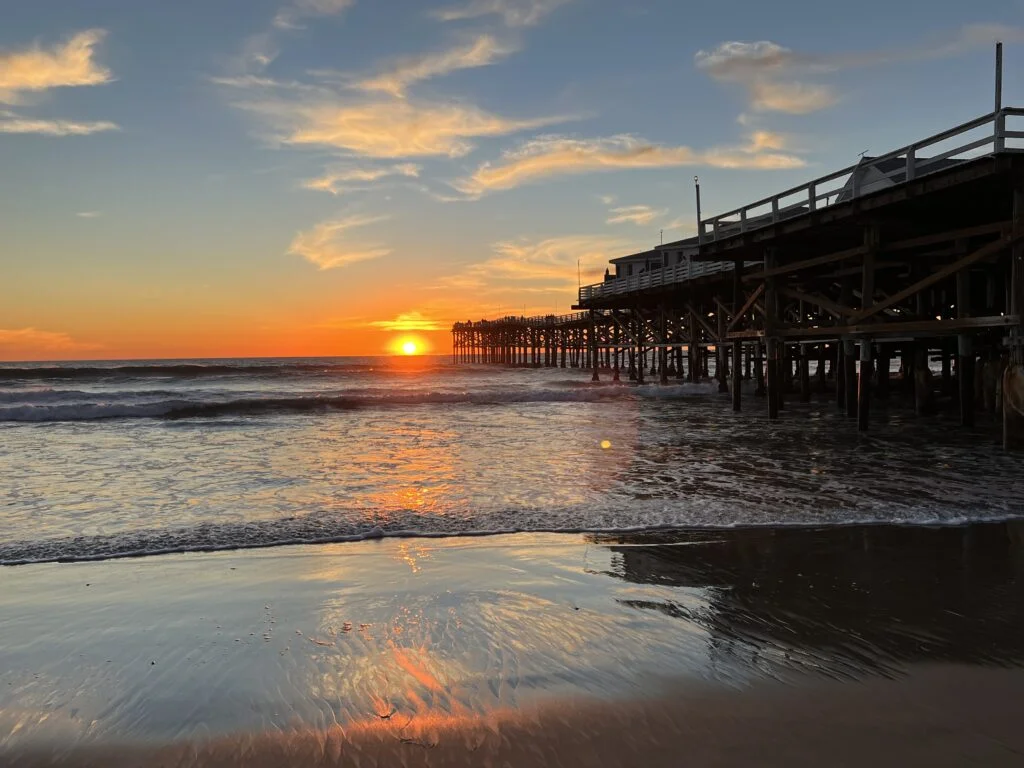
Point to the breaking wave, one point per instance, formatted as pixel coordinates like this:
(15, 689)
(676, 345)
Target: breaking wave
(652, 517)
(184, 408)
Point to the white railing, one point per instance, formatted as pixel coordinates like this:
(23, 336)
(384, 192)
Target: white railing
(990, 132)
(676, 273)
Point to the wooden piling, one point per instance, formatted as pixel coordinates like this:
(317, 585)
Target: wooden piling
(737, 375)
(965, 352)
(805, 374)
(1013, 375)
(850, 372)
(864, 386)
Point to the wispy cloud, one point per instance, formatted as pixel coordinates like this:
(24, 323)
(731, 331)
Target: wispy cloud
(405, 72)
(338, 181)
(779, 79)
(32, 342)
(547, 266)
(388, 128)
(89, 214)
(550, 156)
(513, 13)
(641, 215)
(65, 65)
(290, 16)
(327, 245)
(12, 123)
(410, 321)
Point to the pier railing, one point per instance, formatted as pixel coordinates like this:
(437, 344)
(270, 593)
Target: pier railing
(675, 273)
(987, 134)
(535, 321)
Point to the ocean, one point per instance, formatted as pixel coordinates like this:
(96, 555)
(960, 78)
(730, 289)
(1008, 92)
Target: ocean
(114, 459)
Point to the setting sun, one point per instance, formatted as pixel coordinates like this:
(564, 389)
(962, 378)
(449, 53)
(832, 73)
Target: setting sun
(409, 348)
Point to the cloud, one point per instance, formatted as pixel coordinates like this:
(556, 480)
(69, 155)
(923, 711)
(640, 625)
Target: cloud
(289, 16)
(31, 341)
(326, 246)
(341, 180)
(89, 214)
(405, 72)
(388, 129)
(777, 79)
(764, 68)
(11, 123)
(641, 215)
(513, 13)
(525, 266)
(66, 65)
(550, 156)
(410, 321)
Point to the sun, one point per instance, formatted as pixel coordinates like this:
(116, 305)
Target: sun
(410, 348)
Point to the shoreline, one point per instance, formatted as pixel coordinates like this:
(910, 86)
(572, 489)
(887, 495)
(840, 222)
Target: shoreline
(377, 533)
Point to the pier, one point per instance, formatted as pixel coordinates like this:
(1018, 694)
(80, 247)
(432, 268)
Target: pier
(913, 258)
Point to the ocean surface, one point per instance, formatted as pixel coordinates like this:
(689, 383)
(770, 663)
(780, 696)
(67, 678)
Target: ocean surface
(114, 459)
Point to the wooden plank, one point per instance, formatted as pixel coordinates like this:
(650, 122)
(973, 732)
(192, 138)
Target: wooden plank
(703, 323)
(746, 307)
(727, 311)
(910, 328)
(837, 310)
(955, 234)
(796, 266)
(981, 253)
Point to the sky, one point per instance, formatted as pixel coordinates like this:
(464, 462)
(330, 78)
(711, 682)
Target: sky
(225, 178)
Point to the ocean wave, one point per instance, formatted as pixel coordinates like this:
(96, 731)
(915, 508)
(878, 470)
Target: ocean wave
(183, 408)
(401, 367)
(318, 529)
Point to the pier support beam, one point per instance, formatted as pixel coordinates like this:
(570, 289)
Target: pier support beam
(759, 387)
(737, 374)
(850, 374)
(864, 386)
(663, 349)
(805, 374)
(1013, 376)
(595, 358)
(774, 378)
(965, 351)
(840, 375)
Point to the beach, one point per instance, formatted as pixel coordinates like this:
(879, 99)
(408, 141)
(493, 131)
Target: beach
(893, 645)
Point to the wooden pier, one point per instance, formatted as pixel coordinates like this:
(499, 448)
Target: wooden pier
(915, 256)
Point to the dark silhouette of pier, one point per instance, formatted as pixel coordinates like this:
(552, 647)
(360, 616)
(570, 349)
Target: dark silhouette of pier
(914, 256)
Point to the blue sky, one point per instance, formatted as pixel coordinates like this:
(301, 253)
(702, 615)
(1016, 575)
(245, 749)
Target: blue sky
(313, 176)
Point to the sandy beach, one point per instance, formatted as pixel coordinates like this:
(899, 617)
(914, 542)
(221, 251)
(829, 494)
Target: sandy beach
(881, 644)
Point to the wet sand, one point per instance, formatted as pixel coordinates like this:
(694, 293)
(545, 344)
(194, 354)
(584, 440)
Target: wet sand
(843, 646)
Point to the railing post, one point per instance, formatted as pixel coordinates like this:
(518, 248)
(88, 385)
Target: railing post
(775, 209)
(743, 220)
(714, 226)
(812, 196)
(911, 163)
(999, 141)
